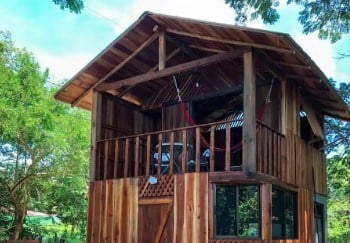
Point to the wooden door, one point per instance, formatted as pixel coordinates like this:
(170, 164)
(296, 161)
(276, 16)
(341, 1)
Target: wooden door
(156, 220)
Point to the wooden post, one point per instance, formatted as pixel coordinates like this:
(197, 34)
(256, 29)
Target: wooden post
(162, 51)
(249, 122)
(95, 132)
(266, 208)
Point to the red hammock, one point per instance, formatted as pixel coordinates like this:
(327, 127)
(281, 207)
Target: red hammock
(203, 140)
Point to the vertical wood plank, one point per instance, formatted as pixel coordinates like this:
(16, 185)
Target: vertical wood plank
(283, 107)
(95, 221)
(105, 160)
(266, 212)
(198, 149)
(91, 209)
(179, 208)
(126, 159)
(137, 156)
(249, 120)
(116, 159)
(103, 227)
(148, 154)
(95, 132)
(212, 148)
(228, 147)
(171, 165)
(160, 142)
(184, 151)
(270, 153)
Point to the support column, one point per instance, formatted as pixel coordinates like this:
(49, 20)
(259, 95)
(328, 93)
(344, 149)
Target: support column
(266, 210)
(95, 132)
(249, 122)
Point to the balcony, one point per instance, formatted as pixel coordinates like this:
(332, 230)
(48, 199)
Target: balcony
(212, 147)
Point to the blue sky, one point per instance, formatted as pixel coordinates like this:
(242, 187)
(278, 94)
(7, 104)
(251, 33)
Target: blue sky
(64, 42)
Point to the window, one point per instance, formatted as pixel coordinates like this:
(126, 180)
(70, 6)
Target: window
(319, 223)
(237, 211)
(284, 214)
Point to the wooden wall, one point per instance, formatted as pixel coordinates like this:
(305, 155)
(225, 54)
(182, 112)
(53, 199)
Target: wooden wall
(131, 210)
(113, 210)
(177, 209)
(191, 208)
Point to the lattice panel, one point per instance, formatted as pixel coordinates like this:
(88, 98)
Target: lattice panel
(163, 187)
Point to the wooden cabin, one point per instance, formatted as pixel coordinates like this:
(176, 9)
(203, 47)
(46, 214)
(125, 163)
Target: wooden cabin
(205, 132)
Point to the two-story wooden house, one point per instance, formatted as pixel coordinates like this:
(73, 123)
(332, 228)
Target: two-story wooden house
(204, 132)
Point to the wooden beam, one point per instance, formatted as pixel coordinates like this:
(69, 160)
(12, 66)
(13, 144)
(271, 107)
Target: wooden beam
(202, 48)
(249, 120)
(228, 41)
(114, 70)
(162, 51)
(171, 55)
(95, 132)
(302, 66)
(172, 70)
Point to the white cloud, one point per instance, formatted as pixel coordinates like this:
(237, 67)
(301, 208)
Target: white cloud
(63, 66)
(321, 52)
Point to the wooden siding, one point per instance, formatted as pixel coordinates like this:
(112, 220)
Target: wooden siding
(191, 208)
(113, 210)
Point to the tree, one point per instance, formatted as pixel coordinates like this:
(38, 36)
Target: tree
(38, 139)
(331, 19)
(338, 172)
(73, 5)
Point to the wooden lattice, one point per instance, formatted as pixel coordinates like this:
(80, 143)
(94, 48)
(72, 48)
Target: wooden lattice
(163, 187)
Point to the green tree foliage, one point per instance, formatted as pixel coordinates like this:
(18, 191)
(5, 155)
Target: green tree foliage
(339, 199)
(43, 143)
(331, 19)
(75, 6)
(338, 172)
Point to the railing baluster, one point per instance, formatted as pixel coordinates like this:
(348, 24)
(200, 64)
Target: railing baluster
(198, 149)
(137, 156)
(184, 151)
(105, 161)
(116, 159)
(98, 162)
(171, 165)
(160, 141)
(148, 154)
(126, 158)
(212, 148)
(228, 147)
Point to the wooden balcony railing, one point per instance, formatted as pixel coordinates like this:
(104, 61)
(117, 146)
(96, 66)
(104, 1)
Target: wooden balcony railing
(271, 150)
(209, 147)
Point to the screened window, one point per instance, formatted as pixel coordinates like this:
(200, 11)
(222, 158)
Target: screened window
(237, 211)
(284, 214)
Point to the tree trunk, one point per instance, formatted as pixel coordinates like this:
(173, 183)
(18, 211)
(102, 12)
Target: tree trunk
(20, 214)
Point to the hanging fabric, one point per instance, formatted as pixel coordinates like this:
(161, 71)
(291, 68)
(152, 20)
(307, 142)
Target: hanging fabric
(191, 122)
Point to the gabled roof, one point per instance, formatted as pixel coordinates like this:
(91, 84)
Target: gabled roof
(135, 52)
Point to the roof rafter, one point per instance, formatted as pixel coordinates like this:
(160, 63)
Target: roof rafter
(202, 62)
(116, 68)
(228, 41)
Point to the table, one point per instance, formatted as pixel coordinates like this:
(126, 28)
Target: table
(165, 157)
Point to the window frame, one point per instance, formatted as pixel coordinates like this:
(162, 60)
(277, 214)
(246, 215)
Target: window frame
(236, 186)
(295, 214)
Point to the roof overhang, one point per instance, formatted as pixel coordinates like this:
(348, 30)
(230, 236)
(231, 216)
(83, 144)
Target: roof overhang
(135, 53)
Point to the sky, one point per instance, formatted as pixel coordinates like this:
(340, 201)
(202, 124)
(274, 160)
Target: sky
(65, 42)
